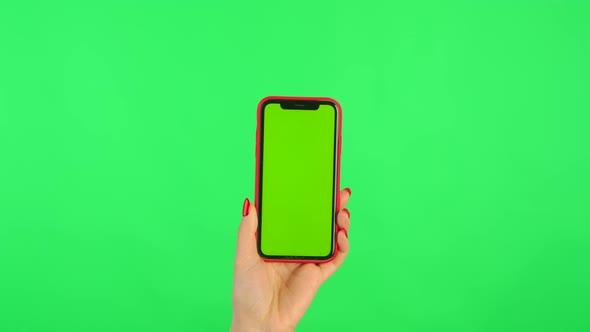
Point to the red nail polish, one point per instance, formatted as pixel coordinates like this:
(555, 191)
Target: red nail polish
(246, 207)
(347, 212)
(349, 191)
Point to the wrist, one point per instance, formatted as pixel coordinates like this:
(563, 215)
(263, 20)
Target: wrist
(250, 326)
(237, 327)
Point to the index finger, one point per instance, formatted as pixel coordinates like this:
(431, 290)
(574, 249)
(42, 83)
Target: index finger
(344, 197)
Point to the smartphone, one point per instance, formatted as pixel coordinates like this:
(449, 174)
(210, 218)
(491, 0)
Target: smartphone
(298, 144)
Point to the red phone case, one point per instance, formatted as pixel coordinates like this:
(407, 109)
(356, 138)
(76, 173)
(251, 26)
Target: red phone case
(256, 197)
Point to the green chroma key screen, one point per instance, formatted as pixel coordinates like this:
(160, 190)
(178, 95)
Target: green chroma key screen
(127, 142)
(297, 196)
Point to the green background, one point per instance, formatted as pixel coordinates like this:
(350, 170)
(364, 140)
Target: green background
(127, 148)
(297, 213)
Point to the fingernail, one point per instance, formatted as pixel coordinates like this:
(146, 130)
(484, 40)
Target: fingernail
(349, 191)
(347, 212)
(345, 232)
(246, 207)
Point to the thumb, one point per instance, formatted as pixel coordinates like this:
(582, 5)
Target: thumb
(246, 252)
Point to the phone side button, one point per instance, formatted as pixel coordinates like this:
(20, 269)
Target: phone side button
(256, 140)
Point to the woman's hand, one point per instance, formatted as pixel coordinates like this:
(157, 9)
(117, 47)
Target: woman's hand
(274, 296)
